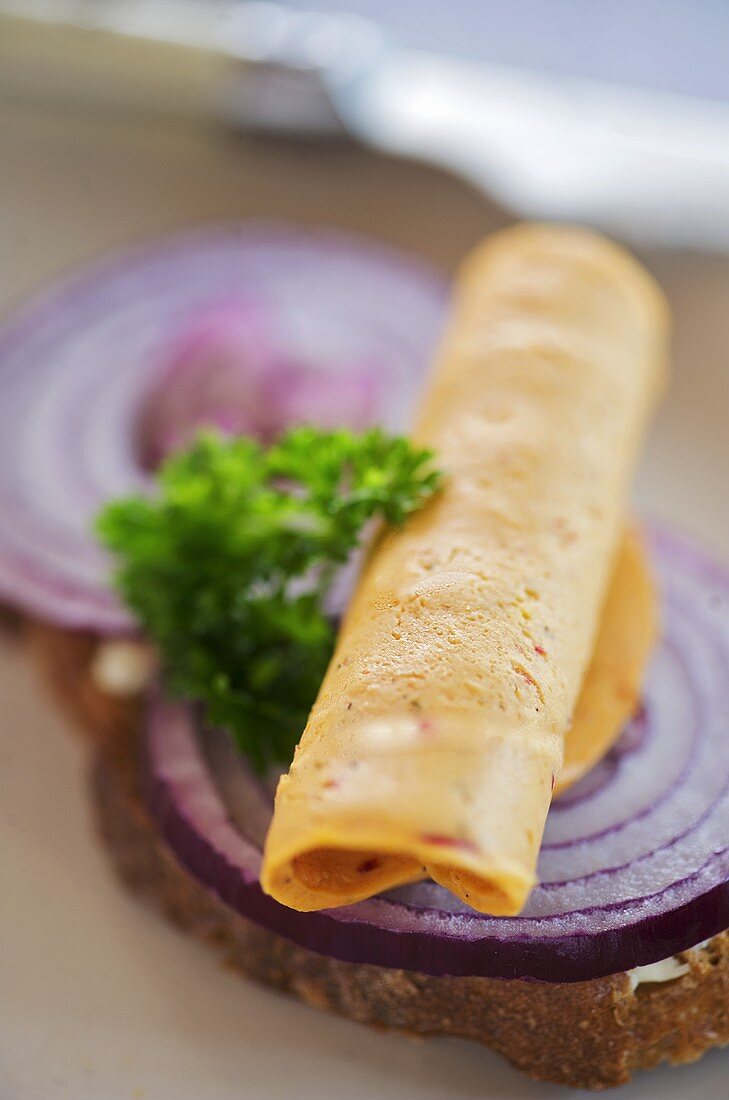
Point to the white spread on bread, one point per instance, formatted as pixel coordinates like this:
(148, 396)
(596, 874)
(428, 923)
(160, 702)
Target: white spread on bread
(439, 730)
(665, 970)
(123, 667)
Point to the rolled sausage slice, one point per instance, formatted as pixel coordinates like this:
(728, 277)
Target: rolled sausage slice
(438, 733)
(613, 684)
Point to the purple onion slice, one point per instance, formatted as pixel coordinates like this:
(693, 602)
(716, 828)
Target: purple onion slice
(249, 327)
(635, 861)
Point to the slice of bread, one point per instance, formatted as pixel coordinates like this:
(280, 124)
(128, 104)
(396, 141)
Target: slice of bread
(592, 1034)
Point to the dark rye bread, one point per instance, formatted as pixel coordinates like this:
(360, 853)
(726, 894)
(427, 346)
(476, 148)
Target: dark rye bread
(593, 1034)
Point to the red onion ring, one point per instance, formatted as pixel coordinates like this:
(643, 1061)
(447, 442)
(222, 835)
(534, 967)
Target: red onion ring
(635, 860)
(83, 365)
(231, 369)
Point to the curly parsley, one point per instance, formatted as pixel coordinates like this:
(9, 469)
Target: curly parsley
(227, 565)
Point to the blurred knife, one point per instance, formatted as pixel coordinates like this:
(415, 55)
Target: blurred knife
(648, 166)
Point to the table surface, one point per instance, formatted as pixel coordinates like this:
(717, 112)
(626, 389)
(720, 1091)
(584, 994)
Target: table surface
(98, 997)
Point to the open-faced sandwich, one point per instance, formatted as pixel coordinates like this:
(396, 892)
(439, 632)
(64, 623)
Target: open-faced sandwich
(423, 729)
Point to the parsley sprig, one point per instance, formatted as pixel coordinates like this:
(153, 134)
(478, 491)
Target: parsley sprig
(228, 564)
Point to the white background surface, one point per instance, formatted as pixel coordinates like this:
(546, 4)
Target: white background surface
(99, 999)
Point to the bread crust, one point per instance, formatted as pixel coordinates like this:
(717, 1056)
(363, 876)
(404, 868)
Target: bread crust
(592, 1034)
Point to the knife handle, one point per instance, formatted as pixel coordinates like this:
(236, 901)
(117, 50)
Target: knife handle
(101, 60)
(258, 66)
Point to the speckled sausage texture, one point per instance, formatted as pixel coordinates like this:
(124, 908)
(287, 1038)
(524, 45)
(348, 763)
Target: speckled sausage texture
(438, 732)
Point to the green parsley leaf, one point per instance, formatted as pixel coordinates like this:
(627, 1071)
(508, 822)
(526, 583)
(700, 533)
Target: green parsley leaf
(227, 566)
